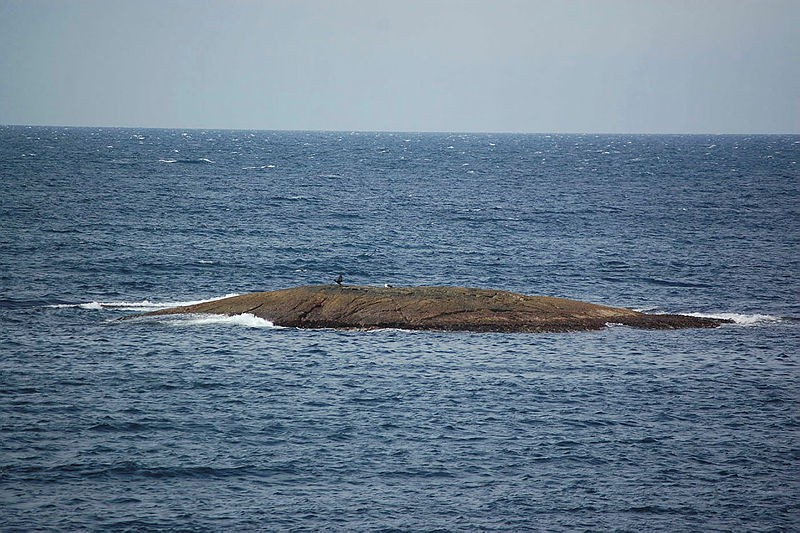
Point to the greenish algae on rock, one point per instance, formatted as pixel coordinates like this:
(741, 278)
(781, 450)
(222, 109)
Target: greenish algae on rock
(432, 308)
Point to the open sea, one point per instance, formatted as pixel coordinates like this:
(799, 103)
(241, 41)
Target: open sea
(202, 423)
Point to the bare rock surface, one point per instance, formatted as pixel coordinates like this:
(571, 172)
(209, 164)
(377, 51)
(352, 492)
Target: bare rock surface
(432, 308)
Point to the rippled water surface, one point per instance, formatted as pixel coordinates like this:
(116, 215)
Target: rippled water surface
(218, 423)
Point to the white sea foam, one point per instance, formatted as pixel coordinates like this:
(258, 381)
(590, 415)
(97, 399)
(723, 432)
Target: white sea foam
(393, 330)
(141, 306)
(204, 160)
(247, 320)
(740, 318)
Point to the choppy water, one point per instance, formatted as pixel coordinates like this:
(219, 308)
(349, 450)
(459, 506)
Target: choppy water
(212, 423)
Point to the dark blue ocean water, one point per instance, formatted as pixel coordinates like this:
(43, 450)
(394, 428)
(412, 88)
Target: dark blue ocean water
(204, 423)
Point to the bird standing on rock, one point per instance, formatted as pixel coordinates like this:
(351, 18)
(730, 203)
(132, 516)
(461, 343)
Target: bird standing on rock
(339, 280)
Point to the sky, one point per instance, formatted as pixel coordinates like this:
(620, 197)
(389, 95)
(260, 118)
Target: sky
(538, 66)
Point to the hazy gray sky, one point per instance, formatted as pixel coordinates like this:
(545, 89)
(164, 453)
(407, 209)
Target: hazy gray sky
(650, 66)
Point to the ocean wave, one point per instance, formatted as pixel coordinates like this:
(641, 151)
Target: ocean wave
(648, 309)
(198, 161)
(742, 319)
(142, 306)
(247, 320)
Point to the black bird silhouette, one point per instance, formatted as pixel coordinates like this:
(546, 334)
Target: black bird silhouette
(339, 280)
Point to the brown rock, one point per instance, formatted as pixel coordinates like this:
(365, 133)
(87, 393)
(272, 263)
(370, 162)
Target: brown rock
(433, 308)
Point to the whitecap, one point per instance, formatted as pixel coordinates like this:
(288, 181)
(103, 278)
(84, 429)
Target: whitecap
(741, 319)
(393, 330)
(86, 305)
(141, 306)
(247, 320)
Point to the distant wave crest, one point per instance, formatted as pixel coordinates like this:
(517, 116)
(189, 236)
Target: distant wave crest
(197, 161)
(247, 320)
(742, 319)
(140, 306)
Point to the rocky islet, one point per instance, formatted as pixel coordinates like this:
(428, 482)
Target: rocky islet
(433, 308)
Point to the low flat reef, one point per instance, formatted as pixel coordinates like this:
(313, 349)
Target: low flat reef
(432, 308)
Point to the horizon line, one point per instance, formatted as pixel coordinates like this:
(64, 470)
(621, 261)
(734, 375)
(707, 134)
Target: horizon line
(352, 131)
